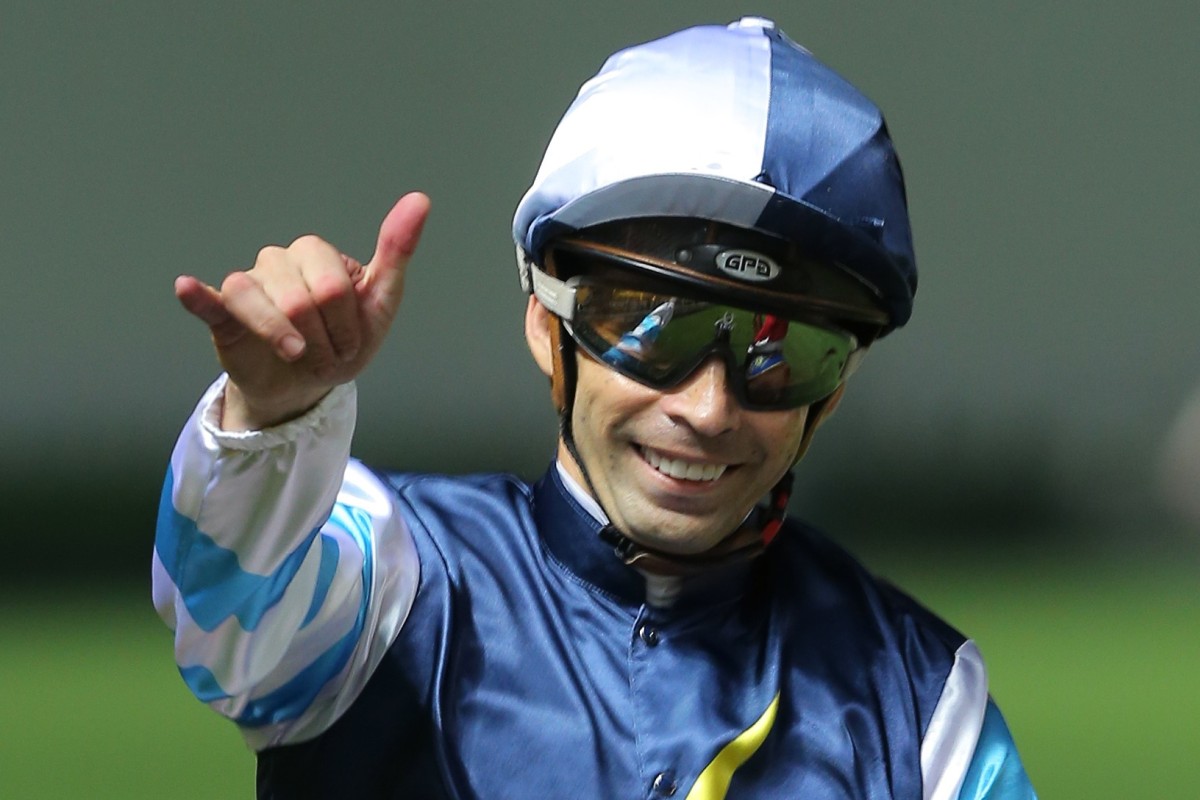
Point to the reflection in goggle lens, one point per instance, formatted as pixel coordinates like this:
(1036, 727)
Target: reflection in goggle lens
(660, 339)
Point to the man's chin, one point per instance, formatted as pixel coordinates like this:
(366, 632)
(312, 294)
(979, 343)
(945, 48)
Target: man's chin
(680, 535)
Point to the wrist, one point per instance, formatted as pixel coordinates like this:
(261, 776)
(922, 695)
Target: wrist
(242, 413)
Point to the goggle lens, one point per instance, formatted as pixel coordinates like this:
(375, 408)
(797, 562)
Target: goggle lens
(659, 339)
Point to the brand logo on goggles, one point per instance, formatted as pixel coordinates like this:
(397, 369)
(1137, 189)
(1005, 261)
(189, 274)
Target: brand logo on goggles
(747, 265)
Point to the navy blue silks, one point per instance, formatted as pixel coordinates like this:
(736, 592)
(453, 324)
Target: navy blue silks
(530, 666)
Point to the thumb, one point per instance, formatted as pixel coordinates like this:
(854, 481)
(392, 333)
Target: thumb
(383, 278)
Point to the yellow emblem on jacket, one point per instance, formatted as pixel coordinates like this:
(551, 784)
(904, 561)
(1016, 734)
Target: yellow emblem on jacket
(713, 782)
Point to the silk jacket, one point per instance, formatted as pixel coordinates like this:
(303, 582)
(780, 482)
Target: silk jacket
(395, 635)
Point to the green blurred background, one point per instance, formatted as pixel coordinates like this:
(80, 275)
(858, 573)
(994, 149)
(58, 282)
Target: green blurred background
(1018, 457)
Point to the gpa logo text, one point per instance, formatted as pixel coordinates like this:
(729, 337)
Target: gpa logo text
(747, 265)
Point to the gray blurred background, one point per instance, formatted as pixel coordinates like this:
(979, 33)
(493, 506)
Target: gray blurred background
(1052, 167)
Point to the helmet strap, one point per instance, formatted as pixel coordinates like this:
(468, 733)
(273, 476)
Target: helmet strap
(562, 390)
(747, 542)
(562, 378)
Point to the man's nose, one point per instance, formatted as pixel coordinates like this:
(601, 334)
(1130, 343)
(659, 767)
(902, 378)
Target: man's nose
(704, 401)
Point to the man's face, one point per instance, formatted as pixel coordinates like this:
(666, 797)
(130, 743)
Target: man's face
(677, 470)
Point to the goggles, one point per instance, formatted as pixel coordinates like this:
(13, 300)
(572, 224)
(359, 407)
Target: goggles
(650, 332)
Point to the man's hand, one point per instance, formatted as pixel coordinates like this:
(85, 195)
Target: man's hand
(304, 319)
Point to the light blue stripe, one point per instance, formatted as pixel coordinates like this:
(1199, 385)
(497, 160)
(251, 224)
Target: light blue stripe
(287, 702)
(996, 772)
(325, 574)
(291, 700)
(213, 584)
(203, 684)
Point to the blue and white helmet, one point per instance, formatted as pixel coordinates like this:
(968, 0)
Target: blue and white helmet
(737, 125)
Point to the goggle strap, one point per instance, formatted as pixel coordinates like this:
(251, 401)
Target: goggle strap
(854, 361)
(557, 296)
(524, 267)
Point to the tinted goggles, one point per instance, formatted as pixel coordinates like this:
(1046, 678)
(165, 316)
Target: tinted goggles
(659, 338)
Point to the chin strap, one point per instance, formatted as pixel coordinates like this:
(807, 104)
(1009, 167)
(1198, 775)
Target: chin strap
(773, 514)
(745, 543)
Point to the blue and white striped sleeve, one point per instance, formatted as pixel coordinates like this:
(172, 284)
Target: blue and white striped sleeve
(968, 752)
(282, 567)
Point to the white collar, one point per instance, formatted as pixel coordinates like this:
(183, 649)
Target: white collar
(581, 495)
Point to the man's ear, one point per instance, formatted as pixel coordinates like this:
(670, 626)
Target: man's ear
(538, 322)
(832, 402)
(817, 414)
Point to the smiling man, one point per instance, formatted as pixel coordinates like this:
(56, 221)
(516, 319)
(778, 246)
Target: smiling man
(717, 234)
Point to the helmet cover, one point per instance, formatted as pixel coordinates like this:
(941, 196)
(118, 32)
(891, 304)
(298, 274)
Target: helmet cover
(739, 125)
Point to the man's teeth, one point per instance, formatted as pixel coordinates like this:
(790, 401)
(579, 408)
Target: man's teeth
(684, 470)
